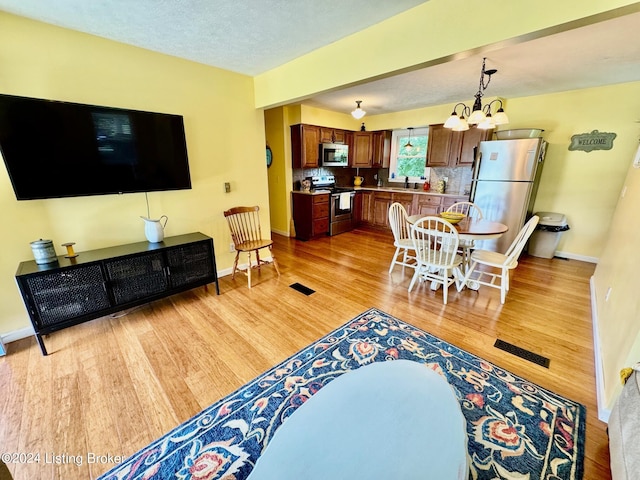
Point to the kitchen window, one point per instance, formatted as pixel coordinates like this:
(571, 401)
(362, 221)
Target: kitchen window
(408, 162)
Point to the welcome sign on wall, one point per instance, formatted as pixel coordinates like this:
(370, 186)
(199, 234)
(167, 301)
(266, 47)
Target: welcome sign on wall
(587, 142)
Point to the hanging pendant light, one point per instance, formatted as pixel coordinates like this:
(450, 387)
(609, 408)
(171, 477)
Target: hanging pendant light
(358, 113)
(478, 114)
(458, 123)
(408, 148)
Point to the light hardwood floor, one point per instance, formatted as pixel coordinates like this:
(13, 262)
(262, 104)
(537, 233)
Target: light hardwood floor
(113, 385)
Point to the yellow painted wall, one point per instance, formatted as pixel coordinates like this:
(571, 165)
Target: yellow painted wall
(326, 118)
(618, 317)
(219, 112)
(438, 27)
(584, 186)
(280, 171)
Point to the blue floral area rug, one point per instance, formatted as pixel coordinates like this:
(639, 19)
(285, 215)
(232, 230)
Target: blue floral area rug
(516, 430)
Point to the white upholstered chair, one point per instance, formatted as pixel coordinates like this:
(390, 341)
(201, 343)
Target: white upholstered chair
(405, 254)
(435, 242)
(498, 264)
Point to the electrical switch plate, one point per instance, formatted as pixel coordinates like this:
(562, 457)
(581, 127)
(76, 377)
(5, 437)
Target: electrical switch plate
(227, 187)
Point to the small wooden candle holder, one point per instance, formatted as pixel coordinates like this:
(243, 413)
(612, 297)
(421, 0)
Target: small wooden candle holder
(70, 252)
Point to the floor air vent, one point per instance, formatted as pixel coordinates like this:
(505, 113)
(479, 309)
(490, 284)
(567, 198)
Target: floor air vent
(302, 289)
(522, 353)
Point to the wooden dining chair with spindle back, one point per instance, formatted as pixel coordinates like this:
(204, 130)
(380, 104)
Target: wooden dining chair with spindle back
(498, 264)
(435, 242)
(244, 223)
(471, 210)
(400, 227)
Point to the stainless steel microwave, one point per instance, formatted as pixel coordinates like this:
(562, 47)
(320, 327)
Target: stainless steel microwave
(334, 155)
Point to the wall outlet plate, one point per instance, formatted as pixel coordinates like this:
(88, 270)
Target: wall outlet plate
(227, 187)
(232, 248)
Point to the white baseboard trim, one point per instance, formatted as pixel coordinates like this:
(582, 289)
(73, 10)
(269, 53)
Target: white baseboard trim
(241, 266)
(17, 335)
(225, 272)
(573, 256)
(603, 413)
(281, 232)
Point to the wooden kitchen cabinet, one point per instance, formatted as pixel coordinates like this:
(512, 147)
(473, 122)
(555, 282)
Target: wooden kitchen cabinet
(381, 203)
(406, 199)
(443, 146)
(310, 215)
(361, 151)
(446, 202)
(381, 145)
(305, 146)
(470, 140)
(447, 148)
(332, 135)
(427, 204)
(363, 208)
(371, 149)
(372, 207)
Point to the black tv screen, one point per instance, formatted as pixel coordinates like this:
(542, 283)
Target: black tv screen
(59, 149)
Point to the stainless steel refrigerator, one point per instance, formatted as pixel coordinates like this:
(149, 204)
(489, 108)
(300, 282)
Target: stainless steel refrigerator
(505, 182)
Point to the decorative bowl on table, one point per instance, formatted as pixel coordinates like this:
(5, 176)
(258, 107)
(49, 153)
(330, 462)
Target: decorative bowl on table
(453, 217)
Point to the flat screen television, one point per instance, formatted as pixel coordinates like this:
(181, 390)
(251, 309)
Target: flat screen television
(58, 149)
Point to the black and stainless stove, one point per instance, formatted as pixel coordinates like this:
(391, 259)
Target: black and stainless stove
(340, 203)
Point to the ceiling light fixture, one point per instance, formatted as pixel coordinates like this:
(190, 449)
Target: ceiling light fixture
(478, 115)
(490, 121)
(358, 113)
(408, 147)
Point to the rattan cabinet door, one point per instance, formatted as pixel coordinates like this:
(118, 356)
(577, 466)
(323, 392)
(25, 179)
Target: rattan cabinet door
(140, 276)
(68, 293)
(190, 263)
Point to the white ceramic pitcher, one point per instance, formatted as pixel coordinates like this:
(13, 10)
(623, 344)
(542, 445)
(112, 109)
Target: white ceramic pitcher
(154, 229)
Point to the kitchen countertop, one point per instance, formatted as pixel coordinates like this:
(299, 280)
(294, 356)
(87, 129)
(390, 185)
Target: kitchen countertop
(312, 192)
(409, 190)
(417, 191)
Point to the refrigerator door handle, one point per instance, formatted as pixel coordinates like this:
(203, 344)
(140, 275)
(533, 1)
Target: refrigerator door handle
(543, 151)
(477, 156)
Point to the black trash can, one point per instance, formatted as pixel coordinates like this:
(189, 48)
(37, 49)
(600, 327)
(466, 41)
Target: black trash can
(545, 238)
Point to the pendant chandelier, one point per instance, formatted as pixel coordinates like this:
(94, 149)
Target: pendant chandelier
(358, 113)
(408, 147)
(478, 115)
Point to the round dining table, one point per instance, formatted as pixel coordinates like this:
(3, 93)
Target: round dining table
(470, 229)
(473, 228)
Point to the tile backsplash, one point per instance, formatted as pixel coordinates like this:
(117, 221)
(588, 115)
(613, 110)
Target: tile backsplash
(459, 178)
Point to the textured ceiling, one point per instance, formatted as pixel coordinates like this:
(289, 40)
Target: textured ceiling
(603, 53)
(245, 36)
(253, 36)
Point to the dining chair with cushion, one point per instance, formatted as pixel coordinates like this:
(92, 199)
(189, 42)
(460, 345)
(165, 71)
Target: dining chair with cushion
(400, 226)
(498, 264)
(246, 234)
(435, 242)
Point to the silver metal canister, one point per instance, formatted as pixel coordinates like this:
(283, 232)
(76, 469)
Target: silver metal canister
(43, 251)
